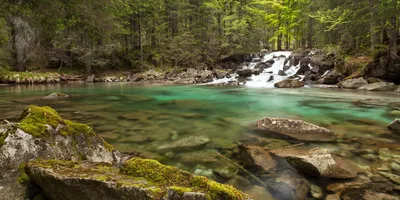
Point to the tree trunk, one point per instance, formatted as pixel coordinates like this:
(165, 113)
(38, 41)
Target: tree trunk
(22, 42)
(373, 25)
(393, 32)
(279, 43)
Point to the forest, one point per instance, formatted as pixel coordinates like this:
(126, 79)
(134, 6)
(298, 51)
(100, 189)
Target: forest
(140, 34)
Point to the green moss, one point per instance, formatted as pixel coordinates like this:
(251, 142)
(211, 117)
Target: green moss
(53, 163)
(143, 173)
(3, 137)
(23, 177)
(34, 120)
(180, 190)
(167, 176)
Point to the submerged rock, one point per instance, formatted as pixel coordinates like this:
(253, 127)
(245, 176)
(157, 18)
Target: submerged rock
(136, 179)
(287, 185)
(289, 84)
(395, 126)
(187, 143)
(56, 95)
(379, 86)
(316, 192)
(43, 133)
(354, 83)
(318, 162)
(294, 129)
(256, 157)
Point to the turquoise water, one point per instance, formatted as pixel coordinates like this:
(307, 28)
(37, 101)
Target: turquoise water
(140, 119)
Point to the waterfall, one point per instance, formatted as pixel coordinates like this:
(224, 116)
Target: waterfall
(269, 76)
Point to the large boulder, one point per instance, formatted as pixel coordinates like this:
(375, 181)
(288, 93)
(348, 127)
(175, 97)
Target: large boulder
(318, 162)
(294, 129)
(289, 84)
(331, 78)
(379, 86)
(136, 179)
(43, 133)
(354, 83)
(244, 72)
(395, 126)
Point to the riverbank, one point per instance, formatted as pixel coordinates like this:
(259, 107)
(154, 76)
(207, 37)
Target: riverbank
(296, 69)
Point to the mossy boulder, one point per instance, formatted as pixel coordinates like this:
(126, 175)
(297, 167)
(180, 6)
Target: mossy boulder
(43, 133)
(136, 179)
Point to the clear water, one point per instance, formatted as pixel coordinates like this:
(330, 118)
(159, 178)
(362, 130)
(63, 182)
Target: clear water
(141, 119)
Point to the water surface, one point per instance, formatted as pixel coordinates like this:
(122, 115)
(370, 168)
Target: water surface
(141, 119)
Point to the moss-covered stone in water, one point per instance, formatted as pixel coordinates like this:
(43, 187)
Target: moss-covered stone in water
(167, 176)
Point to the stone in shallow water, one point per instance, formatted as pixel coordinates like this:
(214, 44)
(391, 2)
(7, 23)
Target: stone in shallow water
(318, 162)
(289, 84)
(288, 185)
(340, 187)
(395, 126)
(316, 191)
(135, 139)
(259, 193)
(354, 83)
(56, 95)
(254, 156)
(295, 129)
(379, 86)
(187, 143)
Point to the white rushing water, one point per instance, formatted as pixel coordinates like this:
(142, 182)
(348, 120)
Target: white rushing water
(262, 80)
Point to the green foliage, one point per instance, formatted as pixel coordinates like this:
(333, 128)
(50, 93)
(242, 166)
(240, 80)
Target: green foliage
(187, 33)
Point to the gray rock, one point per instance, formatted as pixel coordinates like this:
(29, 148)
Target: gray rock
(56, 96)
(244, 72)
(395, 126)
(378, 86)
(188, 143)
(294, 129)
(90, 78)
(282, 73)
(289, 84)
(318, 162)
(354, 83)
